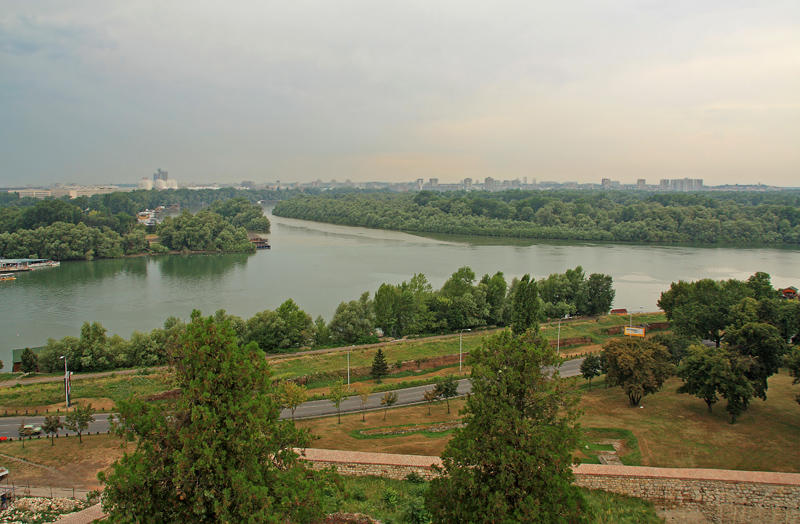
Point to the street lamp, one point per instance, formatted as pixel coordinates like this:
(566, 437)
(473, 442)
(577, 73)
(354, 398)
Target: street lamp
(558, 337)
(66, 380)
(348, 364)
(460, 346)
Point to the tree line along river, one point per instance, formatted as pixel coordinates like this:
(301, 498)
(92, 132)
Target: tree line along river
(320, 265)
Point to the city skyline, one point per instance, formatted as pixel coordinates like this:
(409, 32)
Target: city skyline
(103, 93)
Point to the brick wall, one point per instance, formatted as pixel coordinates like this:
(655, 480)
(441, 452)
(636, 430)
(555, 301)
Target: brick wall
(721, 495)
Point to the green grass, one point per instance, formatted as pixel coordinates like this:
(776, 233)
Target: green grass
(632, 456)
(322, 369)
(595, 328)
(421, 349)
(116, 388)
(391, 500)
(361, 433)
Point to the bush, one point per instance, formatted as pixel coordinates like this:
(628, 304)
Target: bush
(415, 478)
(390, 497)
(416, 513)
(357, 493)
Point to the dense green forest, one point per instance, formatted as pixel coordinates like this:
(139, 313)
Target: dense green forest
(105, 226)
(408, 308)
(630, 216)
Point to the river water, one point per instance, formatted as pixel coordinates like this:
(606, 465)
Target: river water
(319, 265)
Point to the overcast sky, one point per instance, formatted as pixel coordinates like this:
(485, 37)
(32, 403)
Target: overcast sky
(375, 90)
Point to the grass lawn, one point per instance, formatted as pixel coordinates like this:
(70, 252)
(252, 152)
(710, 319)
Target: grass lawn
(670, 430)
(392, 500)
(66, 464)
(678, 431)
(103, 391)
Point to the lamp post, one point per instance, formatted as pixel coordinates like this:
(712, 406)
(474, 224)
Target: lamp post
(348, 364)
(66, 380)
(460, 346)
(558, 337)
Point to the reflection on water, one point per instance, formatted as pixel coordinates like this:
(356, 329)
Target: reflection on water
(76, 273)
(199, 266)
(319, 265)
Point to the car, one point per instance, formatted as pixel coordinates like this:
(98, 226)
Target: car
(33, 430)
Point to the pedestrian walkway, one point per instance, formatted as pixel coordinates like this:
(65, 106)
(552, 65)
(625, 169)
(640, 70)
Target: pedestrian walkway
(90, 514)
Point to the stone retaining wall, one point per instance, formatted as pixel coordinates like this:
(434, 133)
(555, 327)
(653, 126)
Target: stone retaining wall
(721, 495)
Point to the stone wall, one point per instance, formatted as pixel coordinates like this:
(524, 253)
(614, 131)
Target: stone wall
(721, 495)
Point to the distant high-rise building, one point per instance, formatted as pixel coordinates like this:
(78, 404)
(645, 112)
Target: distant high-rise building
(145, 183)
(420, 183)
(467, 183)
(160, 174)
(681, 184)
(606, 183)
(434, 182)
(641, 183)
(488, 183)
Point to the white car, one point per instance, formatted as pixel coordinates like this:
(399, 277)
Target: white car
(33, 430)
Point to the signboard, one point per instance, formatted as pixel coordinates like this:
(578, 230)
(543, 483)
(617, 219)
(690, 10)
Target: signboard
(634, 331)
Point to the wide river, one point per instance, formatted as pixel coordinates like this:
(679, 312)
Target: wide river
(319, 265)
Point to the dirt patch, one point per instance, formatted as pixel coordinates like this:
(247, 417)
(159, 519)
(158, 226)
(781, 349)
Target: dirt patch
(67, 464)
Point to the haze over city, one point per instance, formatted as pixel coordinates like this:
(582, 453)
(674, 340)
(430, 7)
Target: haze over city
(105, 92)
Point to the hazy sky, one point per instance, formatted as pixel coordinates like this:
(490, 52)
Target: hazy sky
(375, 90)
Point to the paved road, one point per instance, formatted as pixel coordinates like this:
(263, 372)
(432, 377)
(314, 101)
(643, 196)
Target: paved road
(315, 408)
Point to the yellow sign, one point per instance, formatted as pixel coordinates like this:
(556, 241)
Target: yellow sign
(634, 331)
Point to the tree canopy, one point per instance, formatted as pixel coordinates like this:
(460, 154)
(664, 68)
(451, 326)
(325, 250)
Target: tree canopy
(220, 453)
(511, 462)
(629, 216)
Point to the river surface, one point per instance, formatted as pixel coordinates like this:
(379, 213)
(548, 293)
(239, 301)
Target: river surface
(319, 265)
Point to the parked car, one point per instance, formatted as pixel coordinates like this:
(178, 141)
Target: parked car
(33, 430)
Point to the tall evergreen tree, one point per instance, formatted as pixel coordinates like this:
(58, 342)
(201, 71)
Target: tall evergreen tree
(379, 366)
(511, 462)
(220, 453)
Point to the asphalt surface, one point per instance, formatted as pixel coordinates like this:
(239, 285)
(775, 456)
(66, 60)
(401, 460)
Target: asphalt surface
(9, 426)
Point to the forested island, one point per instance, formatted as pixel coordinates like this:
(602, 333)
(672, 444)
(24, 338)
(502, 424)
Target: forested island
(769, 218)
(409, 308)
(105, 226)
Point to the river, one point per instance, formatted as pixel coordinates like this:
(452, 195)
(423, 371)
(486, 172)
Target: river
(319, 265)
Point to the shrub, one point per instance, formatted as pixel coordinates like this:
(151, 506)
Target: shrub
(390, 497)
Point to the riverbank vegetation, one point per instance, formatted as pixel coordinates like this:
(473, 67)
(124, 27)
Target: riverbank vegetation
(83, 229)
(409, 308)
(412, 362)
(628, 216)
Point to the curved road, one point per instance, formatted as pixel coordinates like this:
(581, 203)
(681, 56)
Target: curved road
(314, 408)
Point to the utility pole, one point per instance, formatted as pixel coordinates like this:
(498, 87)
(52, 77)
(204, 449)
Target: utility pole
(460, 347)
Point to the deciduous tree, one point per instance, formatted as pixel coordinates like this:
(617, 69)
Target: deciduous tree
(339, 391)
(363, 392)
(591, 367)
(703, 371)
(446, 388)
(292, 395)
(388, 400)
(78, 419)
(638, 366)
(52, 423)
(526, 306)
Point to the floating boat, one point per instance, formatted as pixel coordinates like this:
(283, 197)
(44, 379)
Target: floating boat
(26, 264)
(7, 276)
(260, 243)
